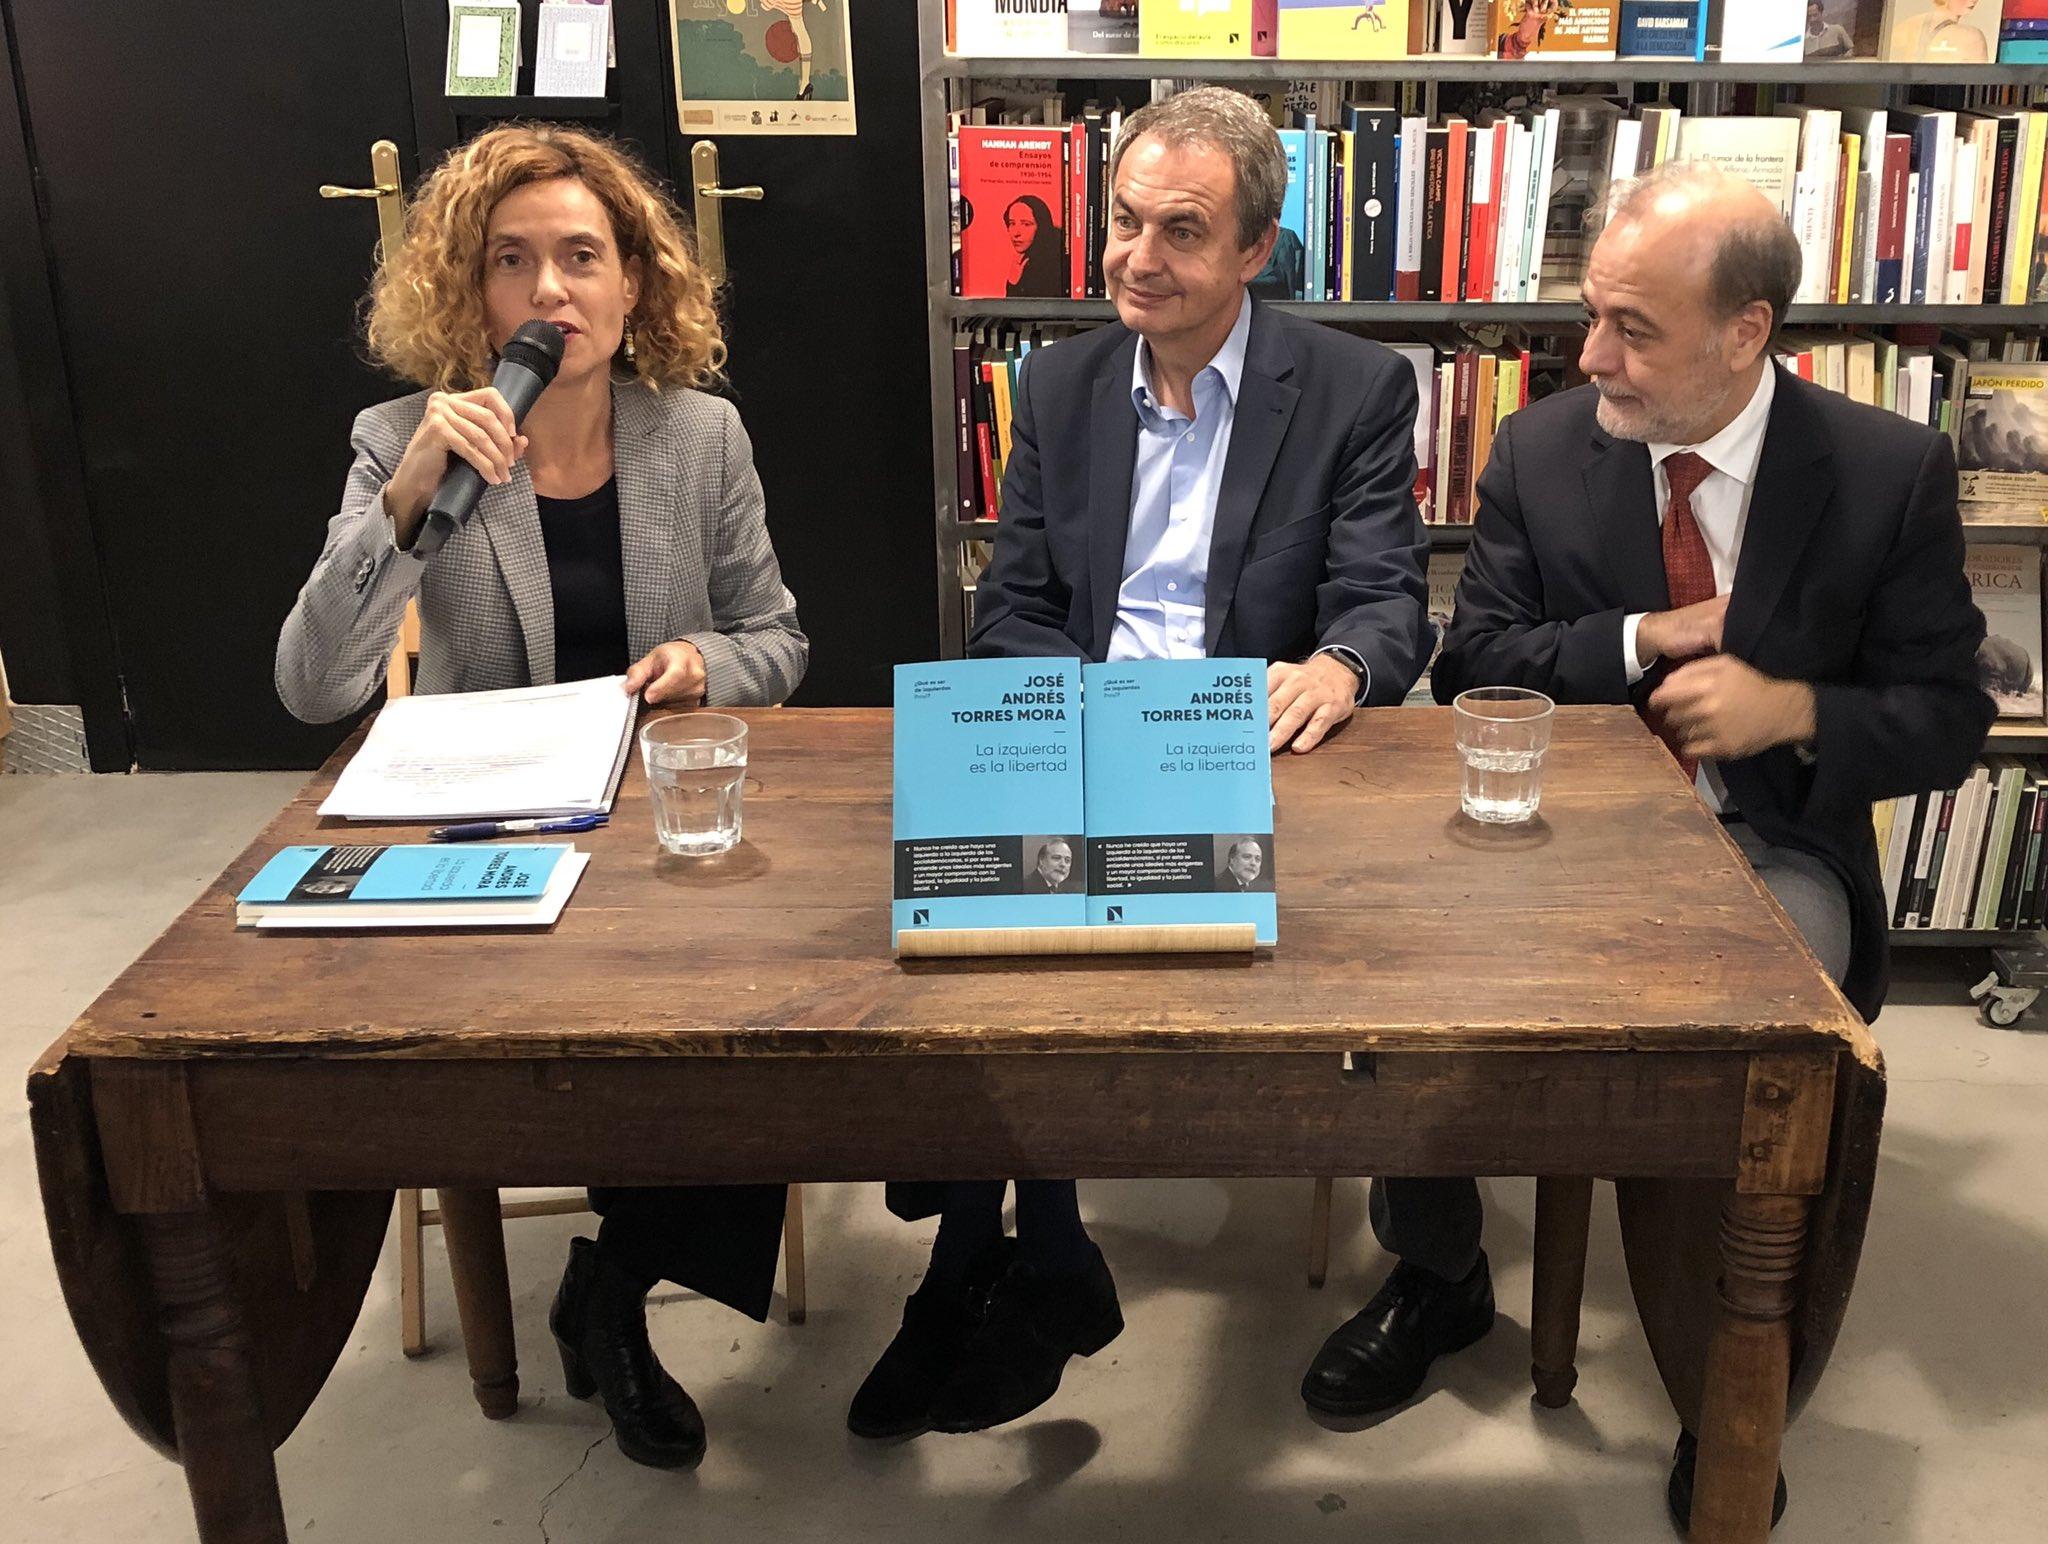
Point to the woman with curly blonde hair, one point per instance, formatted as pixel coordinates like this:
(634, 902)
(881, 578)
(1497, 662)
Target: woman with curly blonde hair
(621, 532)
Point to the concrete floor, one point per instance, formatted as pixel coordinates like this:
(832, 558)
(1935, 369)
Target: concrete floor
(1930, 1425)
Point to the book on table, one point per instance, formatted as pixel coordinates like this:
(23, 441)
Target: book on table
(368, 886)
(1015, 807)
(525, 751)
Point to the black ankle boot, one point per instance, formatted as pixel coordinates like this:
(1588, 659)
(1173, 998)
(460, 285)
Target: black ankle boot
(895, 1399)
(599, 1321)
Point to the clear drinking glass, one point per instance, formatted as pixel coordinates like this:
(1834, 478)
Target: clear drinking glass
(1502, 733)
(696, 763)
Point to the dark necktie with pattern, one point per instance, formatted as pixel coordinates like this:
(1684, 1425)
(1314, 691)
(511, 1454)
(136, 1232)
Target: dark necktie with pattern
(1688, 569)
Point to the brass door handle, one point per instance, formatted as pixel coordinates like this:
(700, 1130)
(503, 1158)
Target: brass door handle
(708, 205)
(387, 188)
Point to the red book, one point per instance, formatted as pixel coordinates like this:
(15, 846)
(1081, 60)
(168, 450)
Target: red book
(1077, 212)
(1014, 199)
(1265, 28)
(1454, 210)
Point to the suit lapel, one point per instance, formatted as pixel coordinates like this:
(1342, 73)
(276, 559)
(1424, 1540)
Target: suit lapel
(1113, 456)
(1791, 494)
(646, 514)
(1623, 498)
(511, 519)
(1265, 407)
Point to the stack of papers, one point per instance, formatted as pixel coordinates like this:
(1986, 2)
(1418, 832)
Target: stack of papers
(527, 751)
(415, 886)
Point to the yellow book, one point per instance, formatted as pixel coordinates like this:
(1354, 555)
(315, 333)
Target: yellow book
(1852, 145)
(1340, 29)
(1196, 29)
(2019, 252)
(1001, 383)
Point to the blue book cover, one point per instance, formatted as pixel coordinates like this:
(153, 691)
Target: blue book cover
(1663, 29)
(1286, 272)
(1925, 127)
(1180, 793)
(988, 795)
(326, 876)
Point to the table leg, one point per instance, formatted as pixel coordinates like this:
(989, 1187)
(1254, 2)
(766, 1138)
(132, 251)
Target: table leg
(1564, 1211)
(1749, 1358)
(474, 1230)
(223, 1441)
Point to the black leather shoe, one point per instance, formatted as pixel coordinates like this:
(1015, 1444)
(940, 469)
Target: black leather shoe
(1012, 1364)
(599, 1321)
(895, 1399)
(1678, 1490)
(1379, 1356)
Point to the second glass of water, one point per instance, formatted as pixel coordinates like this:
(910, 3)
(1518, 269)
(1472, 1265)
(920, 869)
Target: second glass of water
(1502, 734)
(696, 764)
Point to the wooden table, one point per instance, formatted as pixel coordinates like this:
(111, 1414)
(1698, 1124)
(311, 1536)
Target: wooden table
(1607, 993)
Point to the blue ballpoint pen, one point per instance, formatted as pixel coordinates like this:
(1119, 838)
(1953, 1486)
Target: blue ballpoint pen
(479, 830)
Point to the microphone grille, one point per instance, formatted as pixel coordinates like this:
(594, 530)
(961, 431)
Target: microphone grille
(538, 347)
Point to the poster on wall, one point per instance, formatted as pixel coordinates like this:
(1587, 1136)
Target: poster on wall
(763, 66)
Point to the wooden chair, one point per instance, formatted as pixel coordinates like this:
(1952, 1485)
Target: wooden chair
(414, 1217)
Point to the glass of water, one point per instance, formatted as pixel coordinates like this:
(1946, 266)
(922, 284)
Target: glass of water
(695, 764)
(1502, 733)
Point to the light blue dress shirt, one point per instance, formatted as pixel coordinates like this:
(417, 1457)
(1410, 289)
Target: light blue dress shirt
(1161, 604)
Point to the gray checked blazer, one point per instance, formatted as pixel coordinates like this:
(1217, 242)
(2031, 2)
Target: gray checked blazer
(698, 566)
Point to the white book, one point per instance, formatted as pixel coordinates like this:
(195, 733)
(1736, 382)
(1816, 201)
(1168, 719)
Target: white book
(1820, 152)
(575, 41)
(1807, 197)
(1408, 223)
(1962, 196)
(1539, 200)
(1960, 824)
(1865, 271)
(1984, 136)
(1621, 163)
(1895, 851)
(1514, 209)
(1031, 31)
(525, 751)
(1916, 384)
(1763, 151)
(1762, 32)
(1911, 238)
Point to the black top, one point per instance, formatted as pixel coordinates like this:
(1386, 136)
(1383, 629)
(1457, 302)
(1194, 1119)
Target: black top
(587, 574)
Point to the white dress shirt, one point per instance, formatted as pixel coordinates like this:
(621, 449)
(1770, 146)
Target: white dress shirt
(1720, 505)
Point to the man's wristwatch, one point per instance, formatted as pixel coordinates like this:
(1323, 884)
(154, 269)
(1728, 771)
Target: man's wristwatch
(1351, 661)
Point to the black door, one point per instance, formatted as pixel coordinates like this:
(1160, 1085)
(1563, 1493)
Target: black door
(826, 318)
(206, 299)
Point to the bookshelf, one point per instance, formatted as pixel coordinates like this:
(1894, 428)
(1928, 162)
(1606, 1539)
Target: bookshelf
(945, 81)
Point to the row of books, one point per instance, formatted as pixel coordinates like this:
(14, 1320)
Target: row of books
(1920, 206)
(1731, 31)
(1986, 388)
(1969, 858)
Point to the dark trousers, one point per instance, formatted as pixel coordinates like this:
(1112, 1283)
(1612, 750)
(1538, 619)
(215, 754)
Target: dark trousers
(720, 1240)
(1434, 1223)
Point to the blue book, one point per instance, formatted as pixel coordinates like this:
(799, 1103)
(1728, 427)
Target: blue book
(1663, 29)
(1179, 794)
(431, 875)
(1285, 275)
(988, 795)
(1924, 124)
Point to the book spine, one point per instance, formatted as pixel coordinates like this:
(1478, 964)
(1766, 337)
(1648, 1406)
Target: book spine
(1077, 210)
(1891, 221)
(1996, 232)
(1375, 205)
(1963, 203)
(963, 427)
(1265, 29)
(1466, 388)
(1934, 903)
(1845, 218)
(1410, 208)
(2015, 861)
(2034, 910)
(1924, 138)
(1900, 883)
(1436, 159)
(1454, 282)
(2020, 266)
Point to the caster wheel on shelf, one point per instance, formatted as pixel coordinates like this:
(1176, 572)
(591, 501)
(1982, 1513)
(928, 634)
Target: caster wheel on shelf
(2002, 1006)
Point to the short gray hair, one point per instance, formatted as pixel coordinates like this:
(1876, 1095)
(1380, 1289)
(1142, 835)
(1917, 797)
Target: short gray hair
(1234, 124)
(1754, 259)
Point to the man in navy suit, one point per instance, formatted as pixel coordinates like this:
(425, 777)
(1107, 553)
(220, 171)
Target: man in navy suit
(1205, 478)
(1771, 573)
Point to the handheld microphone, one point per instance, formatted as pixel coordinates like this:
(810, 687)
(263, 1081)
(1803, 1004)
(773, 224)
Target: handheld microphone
(525, 367)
